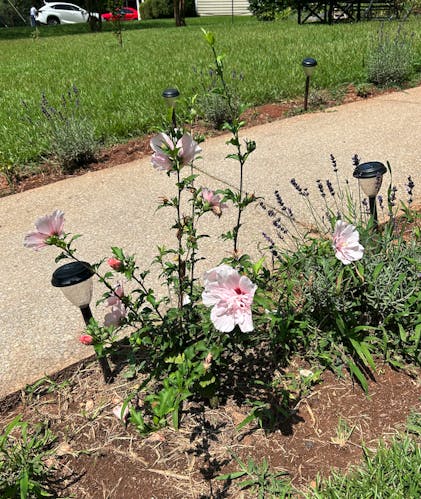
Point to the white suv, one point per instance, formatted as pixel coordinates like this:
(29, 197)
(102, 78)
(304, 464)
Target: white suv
(63, 13)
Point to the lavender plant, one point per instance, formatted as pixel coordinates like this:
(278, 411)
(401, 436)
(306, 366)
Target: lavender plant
(368, 303)
(68, 131)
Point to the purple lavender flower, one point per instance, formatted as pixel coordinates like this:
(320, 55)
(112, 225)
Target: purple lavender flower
(330, 187)
(380, 200)
(321, 189)
(355, 160)
(333, 161)
(409, 189)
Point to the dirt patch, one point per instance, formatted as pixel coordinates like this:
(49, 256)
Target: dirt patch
(100, 457)
(139, 147)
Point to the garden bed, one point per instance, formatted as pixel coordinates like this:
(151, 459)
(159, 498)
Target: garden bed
(97, 456)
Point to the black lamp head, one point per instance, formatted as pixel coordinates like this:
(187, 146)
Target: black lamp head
(75, 280)
(71, 274)
(309, 65)
(170, 95)
(370, 177)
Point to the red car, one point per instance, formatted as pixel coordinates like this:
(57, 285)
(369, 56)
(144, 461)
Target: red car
(124, 14)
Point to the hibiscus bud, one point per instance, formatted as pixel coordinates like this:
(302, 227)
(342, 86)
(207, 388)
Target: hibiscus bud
(86, 339)
(115, 263)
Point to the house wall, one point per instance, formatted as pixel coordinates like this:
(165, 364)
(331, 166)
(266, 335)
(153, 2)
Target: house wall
(222, 7)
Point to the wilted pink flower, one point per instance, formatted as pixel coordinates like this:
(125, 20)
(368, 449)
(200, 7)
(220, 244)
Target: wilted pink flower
(119, 414)
(86, 339)
(208, 361)
(118, 310)
(346, 243)
(47, 226)
(231, 296)
(214, 201)
(162, 144)
(114, 263)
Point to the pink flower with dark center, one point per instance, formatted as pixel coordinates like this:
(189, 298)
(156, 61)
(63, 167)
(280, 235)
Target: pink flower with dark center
(115, 263)
(47, 226)
(213, 200)
(118, 310)
(163, 145)
(346, 243)
(230, 296)
(86, 339)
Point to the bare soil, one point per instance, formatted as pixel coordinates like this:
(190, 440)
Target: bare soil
(99, 457)
(139, 147)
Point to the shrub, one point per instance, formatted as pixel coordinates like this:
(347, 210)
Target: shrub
(391, 59)
(158, 9)
(69, 132)
(269, 10)
(215, 109)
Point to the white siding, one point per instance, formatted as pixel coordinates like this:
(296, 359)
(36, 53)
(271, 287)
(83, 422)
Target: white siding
(222, 7)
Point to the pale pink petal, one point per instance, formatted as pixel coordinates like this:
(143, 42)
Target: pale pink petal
(346, 243)
(35, 240)
(119, 413)
(188, 148)
(231, 297)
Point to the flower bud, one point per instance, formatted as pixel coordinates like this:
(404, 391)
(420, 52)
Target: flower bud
(115, 263)
(86, 339)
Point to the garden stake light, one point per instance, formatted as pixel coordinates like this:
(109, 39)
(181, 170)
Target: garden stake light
(309, 65)
(370, 176)
(75, 280)
(170, 95)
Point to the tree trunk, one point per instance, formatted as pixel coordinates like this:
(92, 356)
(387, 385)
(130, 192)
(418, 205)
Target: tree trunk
(179, 13)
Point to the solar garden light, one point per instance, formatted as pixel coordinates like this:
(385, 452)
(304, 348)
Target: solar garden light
(170, 96)
(370, 176)
(309, 65)
(75, 280)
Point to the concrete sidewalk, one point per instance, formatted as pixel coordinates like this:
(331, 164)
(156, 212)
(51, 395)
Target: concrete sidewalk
(39, 327)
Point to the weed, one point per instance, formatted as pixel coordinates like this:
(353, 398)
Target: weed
(24, 472)
(259, 479)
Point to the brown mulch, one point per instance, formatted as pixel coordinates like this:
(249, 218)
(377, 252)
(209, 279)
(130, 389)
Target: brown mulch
(99, 457)
(139, 147)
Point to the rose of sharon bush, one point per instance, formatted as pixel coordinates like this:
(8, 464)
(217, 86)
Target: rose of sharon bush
(163, 145)
(47, 226)
(230, 296)
(346, 243)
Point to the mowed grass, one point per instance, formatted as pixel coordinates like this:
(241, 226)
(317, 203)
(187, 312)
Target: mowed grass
(120, 88)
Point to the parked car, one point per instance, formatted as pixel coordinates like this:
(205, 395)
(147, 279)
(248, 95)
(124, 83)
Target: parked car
(63, 13)
(124, 14)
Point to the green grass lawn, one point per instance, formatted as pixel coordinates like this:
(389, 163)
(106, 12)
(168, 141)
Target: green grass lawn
(120, 88)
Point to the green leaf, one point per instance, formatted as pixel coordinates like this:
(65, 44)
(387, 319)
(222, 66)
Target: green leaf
(24, 482)
(231, 476)
(355, 371)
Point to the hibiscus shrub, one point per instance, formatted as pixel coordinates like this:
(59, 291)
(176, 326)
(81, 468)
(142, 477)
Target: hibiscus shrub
(321, 299)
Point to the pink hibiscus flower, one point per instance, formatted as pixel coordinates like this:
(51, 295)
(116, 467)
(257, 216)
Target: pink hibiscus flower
(118, 310)
(346, 243)
(214, 201)
(162, 144)
(230, 296)
(47, 226)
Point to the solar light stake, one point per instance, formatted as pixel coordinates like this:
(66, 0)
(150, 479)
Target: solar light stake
(370, 177)
(75, 280)
(170, 96)
(309, 65)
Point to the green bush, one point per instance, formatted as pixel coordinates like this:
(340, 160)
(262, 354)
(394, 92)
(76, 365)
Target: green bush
(158, 9)
(391, 60)
(269, 10)
(69, 133)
